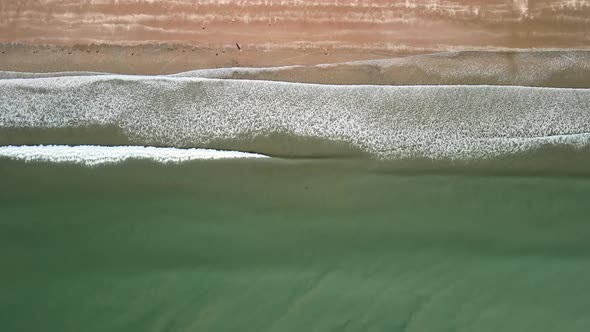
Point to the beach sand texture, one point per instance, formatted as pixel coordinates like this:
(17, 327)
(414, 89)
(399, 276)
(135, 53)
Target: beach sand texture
(301, 23)
(157, 37)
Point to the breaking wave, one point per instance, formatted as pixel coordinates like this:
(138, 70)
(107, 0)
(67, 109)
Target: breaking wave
(98, 155)
(387, 122)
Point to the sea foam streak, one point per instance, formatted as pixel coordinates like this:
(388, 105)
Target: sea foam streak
(566, 68)
(560, 68)
(389, 122)
(92, 155)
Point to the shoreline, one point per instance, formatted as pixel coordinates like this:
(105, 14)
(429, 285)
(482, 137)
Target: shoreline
(163, 58)
(562, 68)
(157, 59)
(150, 37)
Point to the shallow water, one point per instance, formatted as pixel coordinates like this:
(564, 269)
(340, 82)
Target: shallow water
(382, 208)
(290, 245)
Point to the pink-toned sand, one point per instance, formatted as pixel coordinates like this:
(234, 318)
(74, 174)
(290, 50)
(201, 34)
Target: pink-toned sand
(209, 33)
(329, 24)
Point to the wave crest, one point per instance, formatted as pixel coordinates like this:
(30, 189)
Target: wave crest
(98, 155)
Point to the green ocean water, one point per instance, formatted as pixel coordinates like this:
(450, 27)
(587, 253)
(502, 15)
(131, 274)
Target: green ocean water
(291, 245)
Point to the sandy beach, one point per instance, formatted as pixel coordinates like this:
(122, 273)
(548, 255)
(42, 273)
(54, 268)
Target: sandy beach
(153, 59)
(157, 37)
(300, 23)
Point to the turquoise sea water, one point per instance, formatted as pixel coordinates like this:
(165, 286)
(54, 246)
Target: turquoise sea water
(290, 245)
(381, 208)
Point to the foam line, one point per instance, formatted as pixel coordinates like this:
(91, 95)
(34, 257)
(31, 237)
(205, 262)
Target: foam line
(563, 68)
(93, 155)
(385, 121)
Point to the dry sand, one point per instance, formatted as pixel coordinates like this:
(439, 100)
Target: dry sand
(300, 23)
(159, 37)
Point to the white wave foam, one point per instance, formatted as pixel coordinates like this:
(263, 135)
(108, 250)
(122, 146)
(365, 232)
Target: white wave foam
(5, 75)
(386, 121)
(93, 155)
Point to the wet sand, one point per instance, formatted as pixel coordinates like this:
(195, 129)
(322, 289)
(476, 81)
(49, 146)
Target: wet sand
(155, 37)
(154, 59)
(561, 68)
